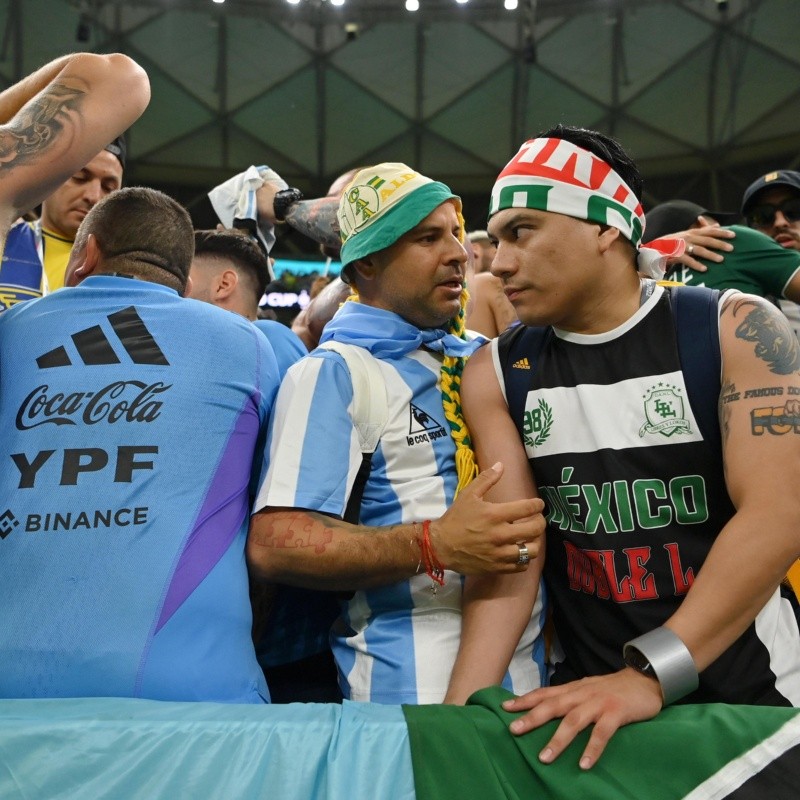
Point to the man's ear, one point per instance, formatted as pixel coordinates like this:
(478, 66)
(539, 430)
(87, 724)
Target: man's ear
(187, 290)
(225, 284)
(365, 267)
(607, 236)
(83, 263)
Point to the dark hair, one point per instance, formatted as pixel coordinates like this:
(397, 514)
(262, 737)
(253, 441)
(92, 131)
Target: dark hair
(241, 250)
(119, 148)
(144, 233)
(605, 148)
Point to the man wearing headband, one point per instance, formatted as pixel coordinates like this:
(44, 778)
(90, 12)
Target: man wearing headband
(639, 498)
(128, 459)
(386, 527)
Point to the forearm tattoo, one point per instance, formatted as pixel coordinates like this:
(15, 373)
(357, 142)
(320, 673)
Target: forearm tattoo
(775, 342)
(316, 219)
(294, 529)
(37, 125)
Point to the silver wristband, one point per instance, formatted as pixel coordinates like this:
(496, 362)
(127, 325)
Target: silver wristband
(663, 654)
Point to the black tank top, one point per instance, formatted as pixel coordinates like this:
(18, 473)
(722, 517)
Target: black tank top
(635, 495)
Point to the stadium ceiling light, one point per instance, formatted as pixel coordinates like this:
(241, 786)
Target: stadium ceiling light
(412, 5)
(293, 2)
(218, 2)
(510, 5)
(461, 2)
(337, 2)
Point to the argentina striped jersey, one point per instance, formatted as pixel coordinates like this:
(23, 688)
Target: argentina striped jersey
(398, 643)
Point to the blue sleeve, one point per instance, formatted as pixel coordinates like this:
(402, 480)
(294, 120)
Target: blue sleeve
(268, 381)
(313, 453)
(287, 345)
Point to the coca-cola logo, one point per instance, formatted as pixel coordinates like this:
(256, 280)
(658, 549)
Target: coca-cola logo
(121, 401)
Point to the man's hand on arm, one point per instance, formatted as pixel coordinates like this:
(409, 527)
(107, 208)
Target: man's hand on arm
(478, 537)
(474, 536)
(709, 241)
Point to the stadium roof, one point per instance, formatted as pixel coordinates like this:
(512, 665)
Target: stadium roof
(705, 94)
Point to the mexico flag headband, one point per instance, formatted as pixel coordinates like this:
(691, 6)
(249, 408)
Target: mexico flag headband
(558, 176)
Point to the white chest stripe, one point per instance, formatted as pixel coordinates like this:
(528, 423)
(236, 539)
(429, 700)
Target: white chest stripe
(639, 412)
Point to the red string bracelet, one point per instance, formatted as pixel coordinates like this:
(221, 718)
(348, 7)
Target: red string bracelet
(434, 569)
(418, 542)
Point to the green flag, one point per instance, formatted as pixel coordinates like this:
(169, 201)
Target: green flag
(700, 751)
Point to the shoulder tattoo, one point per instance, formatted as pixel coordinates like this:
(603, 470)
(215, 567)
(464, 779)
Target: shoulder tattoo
(775, 342)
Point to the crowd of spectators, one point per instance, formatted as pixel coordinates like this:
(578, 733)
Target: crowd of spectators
(220, 483)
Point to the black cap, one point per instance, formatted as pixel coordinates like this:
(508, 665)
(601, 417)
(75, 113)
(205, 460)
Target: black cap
(679, 215)
(781, 177)
(118, 148)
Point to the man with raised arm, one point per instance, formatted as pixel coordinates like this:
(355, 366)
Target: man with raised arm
(52, 124)
(36, 253)
(667, 537)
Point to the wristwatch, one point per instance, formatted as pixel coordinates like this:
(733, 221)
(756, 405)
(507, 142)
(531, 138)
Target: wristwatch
(636, 659)
(283, 199)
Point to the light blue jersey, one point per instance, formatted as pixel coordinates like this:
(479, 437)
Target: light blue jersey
(398, 643)
(299, 619)
(287, 345)
(130, 421)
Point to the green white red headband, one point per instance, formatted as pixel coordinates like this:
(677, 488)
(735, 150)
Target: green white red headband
(557, 176)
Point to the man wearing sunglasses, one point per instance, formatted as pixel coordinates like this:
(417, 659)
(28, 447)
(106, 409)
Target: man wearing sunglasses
(771, 205)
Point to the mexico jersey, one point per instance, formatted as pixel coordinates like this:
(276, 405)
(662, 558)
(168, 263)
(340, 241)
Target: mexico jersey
(130, 419)
(635, 497)
(397, 643)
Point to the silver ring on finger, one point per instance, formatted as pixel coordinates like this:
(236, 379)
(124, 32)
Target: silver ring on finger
(690, 249)
(524, 556)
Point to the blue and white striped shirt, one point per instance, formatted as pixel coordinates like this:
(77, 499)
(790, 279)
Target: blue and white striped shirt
(397, 643)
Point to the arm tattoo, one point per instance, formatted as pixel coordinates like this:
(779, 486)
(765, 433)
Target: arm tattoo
(775, 342)
(296, 529)
(37, 125)
(776, 420)
(727, 395)
(316, 219)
